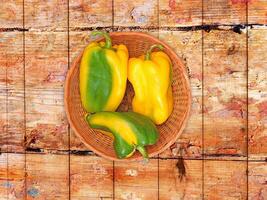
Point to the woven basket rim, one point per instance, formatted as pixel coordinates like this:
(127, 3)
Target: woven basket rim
(184, 120)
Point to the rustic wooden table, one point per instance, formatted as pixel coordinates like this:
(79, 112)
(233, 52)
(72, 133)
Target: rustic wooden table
(223, 43)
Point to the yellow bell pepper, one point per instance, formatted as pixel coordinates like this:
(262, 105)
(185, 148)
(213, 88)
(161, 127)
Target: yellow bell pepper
(103, 75)
(151, 77)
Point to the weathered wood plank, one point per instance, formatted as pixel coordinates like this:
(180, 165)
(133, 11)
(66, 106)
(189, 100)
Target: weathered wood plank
(224, 12)
(257, 12)
(136, 13)
(11, 14)
(3, 177)
(15, 92)
(135, 180)
(16, 176)
(46, 66)
(46, 15)
(225, 94)
(257, 61)
(257, 178)
(180, 179)
(90, 13)
(12, 91)
(47, 176)
(12, 176)
(3, 95)
(3, 120)
(188, 46)
(225, 180)
(91, 178)
(173, 13)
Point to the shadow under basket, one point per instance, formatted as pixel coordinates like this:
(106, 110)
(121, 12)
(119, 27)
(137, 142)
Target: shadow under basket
(137, 44)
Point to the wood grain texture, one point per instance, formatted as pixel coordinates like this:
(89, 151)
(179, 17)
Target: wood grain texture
(225, 94)
(91, 178)
(3, 95)
(46, 63)
(257, 179)
(187, 45)
(257, 12)
(3, 177)
(15, 92)
(135, 180)
(180, 179)
(90, 13)
(225, 180)
(12, 176)
(11, 14)
(224, 12)
(47, 176)
(257, 118)
(179, 13)
(3, 121)
(12, 91)
(136, 13)
(46, 15)
(16, 176)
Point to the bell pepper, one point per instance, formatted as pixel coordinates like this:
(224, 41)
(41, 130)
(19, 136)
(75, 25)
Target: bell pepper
(103, 75)
(151, 77)
(130, 131)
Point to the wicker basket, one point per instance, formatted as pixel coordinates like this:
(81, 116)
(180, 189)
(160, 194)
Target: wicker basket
(101, 144)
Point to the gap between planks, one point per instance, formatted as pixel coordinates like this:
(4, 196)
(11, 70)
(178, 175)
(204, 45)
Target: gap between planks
(206, 27)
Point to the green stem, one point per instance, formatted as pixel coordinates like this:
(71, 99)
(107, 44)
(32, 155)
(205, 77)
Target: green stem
(148, 53)
(87, 115)
(142, 150)
(108, 43)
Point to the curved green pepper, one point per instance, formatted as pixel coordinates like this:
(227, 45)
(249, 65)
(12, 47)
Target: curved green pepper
(103, 75)
(131, 131)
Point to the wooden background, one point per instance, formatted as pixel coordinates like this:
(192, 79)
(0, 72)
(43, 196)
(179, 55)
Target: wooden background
(223, 43)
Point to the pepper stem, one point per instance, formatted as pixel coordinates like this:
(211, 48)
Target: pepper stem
(142, 150)
(86, 115)
(108, 43)
(148, 53)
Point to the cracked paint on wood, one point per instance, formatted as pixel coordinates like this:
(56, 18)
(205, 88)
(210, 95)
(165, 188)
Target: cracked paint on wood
(3, 177)
(16, 176)
(136, 180)
(257, 87)
(257, 179)
(12, 176)
(46, 15)
(225, 94)
(12, 88)
(179, 13)
(136, 13)
(91, 178)
(225, 180)
(224, 12)
(46, 64)
(11, 14)
(257, 12)
(47, 176)
(90, 13)
(176, 183)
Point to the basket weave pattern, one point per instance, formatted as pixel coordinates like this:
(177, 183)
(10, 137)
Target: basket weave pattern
(136, 43)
